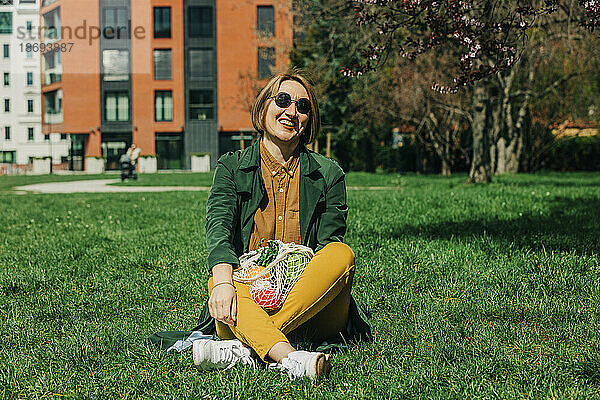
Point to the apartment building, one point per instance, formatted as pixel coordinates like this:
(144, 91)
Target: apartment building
(21, 138)
(175, 77)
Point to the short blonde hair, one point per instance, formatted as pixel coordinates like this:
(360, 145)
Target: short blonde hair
(259, 108)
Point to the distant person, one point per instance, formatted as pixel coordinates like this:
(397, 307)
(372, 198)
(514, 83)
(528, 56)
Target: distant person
(277, 189)
(133, 152)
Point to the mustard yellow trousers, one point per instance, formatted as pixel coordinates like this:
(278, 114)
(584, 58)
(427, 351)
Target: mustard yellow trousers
(317, 306)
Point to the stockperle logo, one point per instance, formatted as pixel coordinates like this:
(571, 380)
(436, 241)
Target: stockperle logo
(82, 31)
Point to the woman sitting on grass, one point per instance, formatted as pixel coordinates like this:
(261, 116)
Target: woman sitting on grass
(277, 189)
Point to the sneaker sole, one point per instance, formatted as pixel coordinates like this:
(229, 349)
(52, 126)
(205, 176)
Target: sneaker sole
(322, 366)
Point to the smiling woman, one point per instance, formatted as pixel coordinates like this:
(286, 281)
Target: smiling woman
(278, 190)
(274, 104)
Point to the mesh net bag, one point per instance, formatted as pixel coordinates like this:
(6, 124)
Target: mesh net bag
(271, 271)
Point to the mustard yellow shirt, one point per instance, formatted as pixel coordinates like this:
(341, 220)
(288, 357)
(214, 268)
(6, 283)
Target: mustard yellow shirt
(278, 216)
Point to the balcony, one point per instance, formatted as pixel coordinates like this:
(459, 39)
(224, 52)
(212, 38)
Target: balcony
(53, 117)
(52, 76)
(53, 112)
(52, 26)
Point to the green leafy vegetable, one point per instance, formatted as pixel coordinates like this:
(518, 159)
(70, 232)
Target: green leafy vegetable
(269, 253)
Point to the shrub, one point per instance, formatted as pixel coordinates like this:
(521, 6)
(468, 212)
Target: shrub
(575, 154)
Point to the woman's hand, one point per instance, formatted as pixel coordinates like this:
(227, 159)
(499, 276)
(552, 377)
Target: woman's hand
(222, 302)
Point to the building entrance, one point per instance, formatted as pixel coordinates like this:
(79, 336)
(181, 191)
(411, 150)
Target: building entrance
(76, 152)
(169, 151)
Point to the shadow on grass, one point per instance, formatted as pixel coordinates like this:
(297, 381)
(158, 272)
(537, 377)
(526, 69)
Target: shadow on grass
(587, 369)
(570, 225)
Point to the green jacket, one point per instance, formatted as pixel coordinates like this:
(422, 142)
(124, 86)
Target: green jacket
(237, 191)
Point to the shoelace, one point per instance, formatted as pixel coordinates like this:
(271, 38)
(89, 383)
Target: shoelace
(293, 368)
(235, 354)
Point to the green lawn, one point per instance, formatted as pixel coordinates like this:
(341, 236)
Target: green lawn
(474, 291)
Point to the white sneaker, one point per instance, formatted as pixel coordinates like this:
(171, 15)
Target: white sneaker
(219, 354)
(300, 364)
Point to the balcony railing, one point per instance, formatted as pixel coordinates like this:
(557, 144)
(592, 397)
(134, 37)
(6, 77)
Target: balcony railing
(53, 117)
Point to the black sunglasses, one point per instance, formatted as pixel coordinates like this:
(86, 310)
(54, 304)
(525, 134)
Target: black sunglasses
(284, 100)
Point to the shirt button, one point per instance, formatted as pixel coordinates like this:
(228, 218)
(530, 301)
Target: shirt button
(280, 218)
(280, 190)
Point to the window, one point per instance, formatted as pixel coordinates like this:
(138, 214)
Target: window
(266, 62)
(8, 156)
(47, 2)
(30, 134)
(52, 24)
(163, 105)
(63, 136)
(116, 65)
(28, 1)
(265, 20)
(52, 67)
(201, 104)
(202, 63)
(7, 133)
(53, 107)
(47, 137)
(29, 53)
(29, 26)
(6, 50)
(7, 79)
(30, 108)
(50, 60)
(5, 23)
(200, 22)
(162, 64)
(162, 22)
(30, 79)
(116, 106)
(6, 105)
(115, 23)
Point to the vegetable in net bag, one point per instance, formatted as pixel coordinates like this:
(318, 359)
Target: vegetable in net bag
(270, 272)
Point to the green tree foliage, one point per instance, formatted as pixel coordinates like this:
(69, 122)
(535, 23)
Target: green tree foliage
(331, 41)
(553, 79)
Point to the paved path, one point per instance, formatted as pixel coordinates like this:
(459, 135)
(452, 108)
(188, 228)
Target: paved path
(104, 186)
(101, 186)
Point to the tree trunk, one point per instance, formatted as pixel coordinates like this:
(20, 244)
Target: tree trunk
(446, 158)
(446, 170)
(440, 139)
(501, 147)
(480, 164)
(497, 123)
(516, 128)
(493, 157)
(514, 158)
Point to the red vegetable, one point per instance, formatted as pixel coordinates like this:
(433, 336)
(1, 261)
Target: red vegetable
(267, 298)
